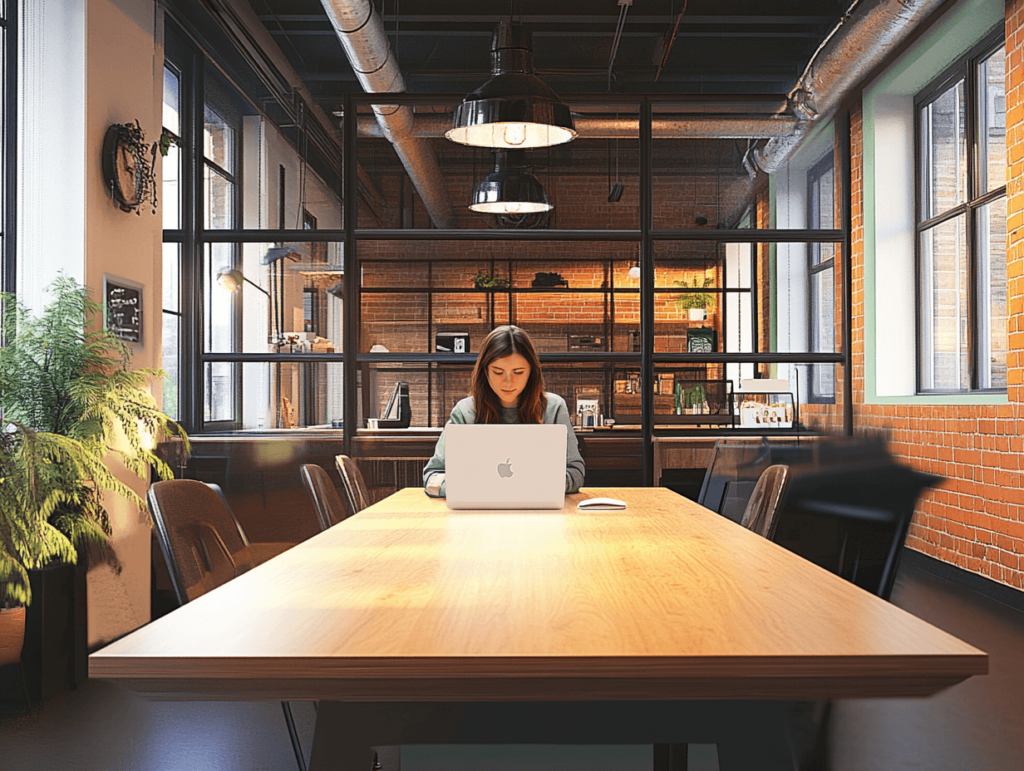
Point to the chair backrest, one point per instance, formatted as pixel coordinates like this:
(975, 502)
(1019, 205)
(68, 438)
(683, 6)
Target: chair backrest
(766, 500)
(735, 467)
(357, 496)
(853, 518)
(197, 535)
(329, 508)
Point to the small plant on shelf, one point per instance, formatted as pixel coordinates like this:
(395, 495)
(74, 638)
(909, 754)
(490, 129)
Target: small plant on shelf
(696, 302)
(483, 281)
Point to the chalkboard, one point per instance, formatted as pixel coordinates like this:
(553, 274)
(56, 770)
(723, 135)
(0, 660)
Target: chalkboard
(123, 307)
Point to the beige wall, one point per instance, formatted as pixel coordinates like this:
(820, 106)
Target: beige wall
(123, 81)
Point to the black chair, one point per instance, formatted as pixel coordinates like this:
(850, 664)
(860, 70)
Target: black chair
(735, 467)
(329, 508)
(761, 513)
(205, 547)
(853, 518)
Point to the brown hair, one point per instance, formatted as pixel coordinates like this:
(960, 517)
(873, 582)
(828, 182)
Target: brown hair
(501, 342)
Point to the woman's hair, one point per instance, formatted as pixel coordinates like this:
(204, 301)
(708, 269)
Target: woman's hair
(501, 342)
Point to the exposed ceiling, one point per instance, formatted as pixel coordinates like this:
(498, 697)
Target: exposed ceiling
(443, 46)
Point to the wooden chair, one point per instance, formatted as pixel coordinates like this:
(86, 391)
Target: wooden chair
(329, 508)
(205, 547)
(763, 507)
(357, 496)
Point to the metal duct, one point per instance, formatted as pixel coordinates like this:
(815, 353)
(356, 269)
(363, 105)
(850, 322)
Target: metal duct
(867, 33)
(361, 32)
(596, 127)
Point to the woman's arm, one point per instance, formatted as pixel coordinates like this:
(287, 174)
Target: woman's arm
(575, 468)
(433, 472)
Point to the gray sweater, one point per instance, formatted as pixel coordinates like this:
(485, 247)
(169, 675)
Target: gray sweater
(465, 412)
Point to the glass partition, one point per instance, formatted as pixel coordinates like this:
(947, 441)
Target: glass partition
(273, 297)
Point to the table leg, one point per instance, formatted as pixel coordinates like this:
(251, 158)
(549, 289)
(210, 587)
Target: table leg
(748, 734)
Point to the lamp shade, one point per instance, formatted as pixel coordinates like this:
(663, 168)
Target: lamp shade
(514, 109)
(510, 188)
(230, 280)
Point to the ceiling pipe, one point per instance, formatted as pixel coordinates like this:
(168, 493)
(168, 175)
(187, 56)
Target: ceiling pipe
(361, 32)
(430, 125)
(868, 32)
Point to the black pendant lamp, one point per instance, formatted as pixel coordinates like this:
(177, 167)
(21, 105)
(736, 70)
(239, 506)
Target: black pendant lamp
(514, 109)
(510, 188)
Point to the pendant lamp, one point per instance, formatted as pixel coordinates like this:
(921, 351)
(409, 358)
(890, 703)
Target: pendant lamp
(510, 188)
(514, 109)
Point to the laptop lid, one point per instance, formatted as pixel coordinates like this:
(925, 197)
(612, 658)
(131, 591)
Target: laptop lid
(505, 466)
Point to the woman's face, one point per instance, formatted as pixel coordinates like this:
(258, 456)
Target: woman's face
(507, 377)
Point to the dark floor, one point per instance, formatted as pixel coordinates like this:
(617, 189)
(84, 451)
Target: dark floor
(977, 725)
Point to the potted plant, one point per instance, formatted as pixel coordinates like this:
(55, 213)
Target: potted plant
(696, 303)
(490, 283)
(68, 400)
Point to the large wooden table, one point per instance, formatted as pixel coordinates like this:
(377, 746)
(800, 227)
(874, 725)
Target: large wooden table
(415, 624)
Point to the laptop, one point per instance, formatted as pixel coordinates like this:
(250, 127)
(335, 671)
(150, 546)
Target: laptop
(505, 466)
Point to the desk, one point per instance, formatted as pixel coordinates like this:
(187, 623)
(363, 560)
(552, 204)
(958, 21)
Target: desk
(412, 623)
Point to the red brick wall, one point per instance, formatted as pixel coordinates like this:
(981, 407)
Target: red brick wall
(975, 520)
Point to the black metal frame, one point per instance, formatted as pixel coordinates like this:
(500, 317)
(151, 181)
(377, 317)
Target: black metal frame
(646, 236)
(814, 175)
(966, 69)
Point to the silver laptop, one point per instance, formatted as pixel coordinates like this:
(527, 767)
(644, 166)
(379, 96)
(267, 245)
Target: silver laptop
(505, 466)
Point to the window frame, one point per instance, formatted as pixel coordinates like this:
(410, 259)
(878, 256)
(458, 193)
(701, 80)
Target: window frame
(8, 145)
(814, 176)
(965, 69)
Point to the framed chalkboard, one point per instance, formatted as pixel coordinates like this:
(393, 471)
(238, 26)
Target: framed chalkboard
(122, 308)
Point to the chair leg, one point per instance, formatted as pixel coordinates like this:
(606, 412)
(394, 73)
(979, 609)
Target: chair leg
(300, 760)
(24, 686)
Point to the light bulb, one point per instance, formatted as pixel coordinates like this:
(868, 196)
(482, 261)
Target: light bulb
(512, 207)
(634, 271)
(229, 280)
(514, 134)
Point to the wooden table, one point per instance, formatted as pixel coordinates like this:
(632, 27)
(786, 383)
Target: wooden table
(415, 624)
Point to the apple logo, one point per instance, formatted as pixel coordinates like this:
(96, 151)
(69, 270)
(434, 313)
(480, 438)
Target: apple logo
(505, 469)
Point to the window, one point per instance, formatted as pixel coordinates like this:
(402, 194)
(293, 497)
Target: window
(821, 215)
(961, 226)
(171, 201)
(8, 55)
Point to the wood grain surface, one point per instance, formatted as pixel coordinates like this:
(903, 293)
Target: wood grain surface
(663, 600)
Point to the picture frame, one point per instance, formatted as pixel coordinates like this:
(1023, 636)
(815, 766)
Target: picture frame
(123, 308)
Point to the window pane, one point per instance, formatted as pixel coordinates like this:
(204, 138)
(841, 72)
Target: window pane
(991, 259)
(220, 388)
(943, 153)
(220, 328)
(992, 121)
(172, 101)
(170, 201)
(220, 209)
(944, 307)
(219, 139)
(171, 335)
(823, 331)
(171, 275)
(280, 395)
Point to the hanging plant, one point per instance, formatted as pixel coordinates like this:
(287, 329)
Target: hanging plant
(129, 165)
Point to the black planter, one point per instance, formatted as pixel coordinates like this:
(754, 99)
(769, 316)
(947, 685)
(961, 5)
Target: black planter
(55, 656)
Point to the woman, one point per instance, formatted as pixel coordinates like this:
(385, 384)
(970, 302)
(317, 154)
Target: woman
(508, 387)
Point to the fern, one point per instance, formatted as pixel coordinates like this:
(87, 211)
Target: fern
(68, 399)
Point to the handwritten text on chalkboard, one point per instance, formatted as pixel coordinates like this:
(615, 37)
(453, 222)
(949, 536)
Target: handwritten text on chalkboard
(124, 310)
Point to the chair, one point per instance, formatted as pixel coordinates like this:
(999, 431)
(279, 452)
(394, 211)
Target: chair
(357, 496)
(735, 467)
(859, 513)
(329, 508)
(204, 547)
(766, 500)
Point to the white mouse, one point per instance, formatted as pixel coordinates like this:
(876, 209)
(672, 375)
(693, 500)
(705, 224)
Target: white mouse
(591, 504)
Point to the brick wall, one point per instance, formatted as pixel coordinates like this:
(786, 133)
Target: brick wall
(975, 520)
